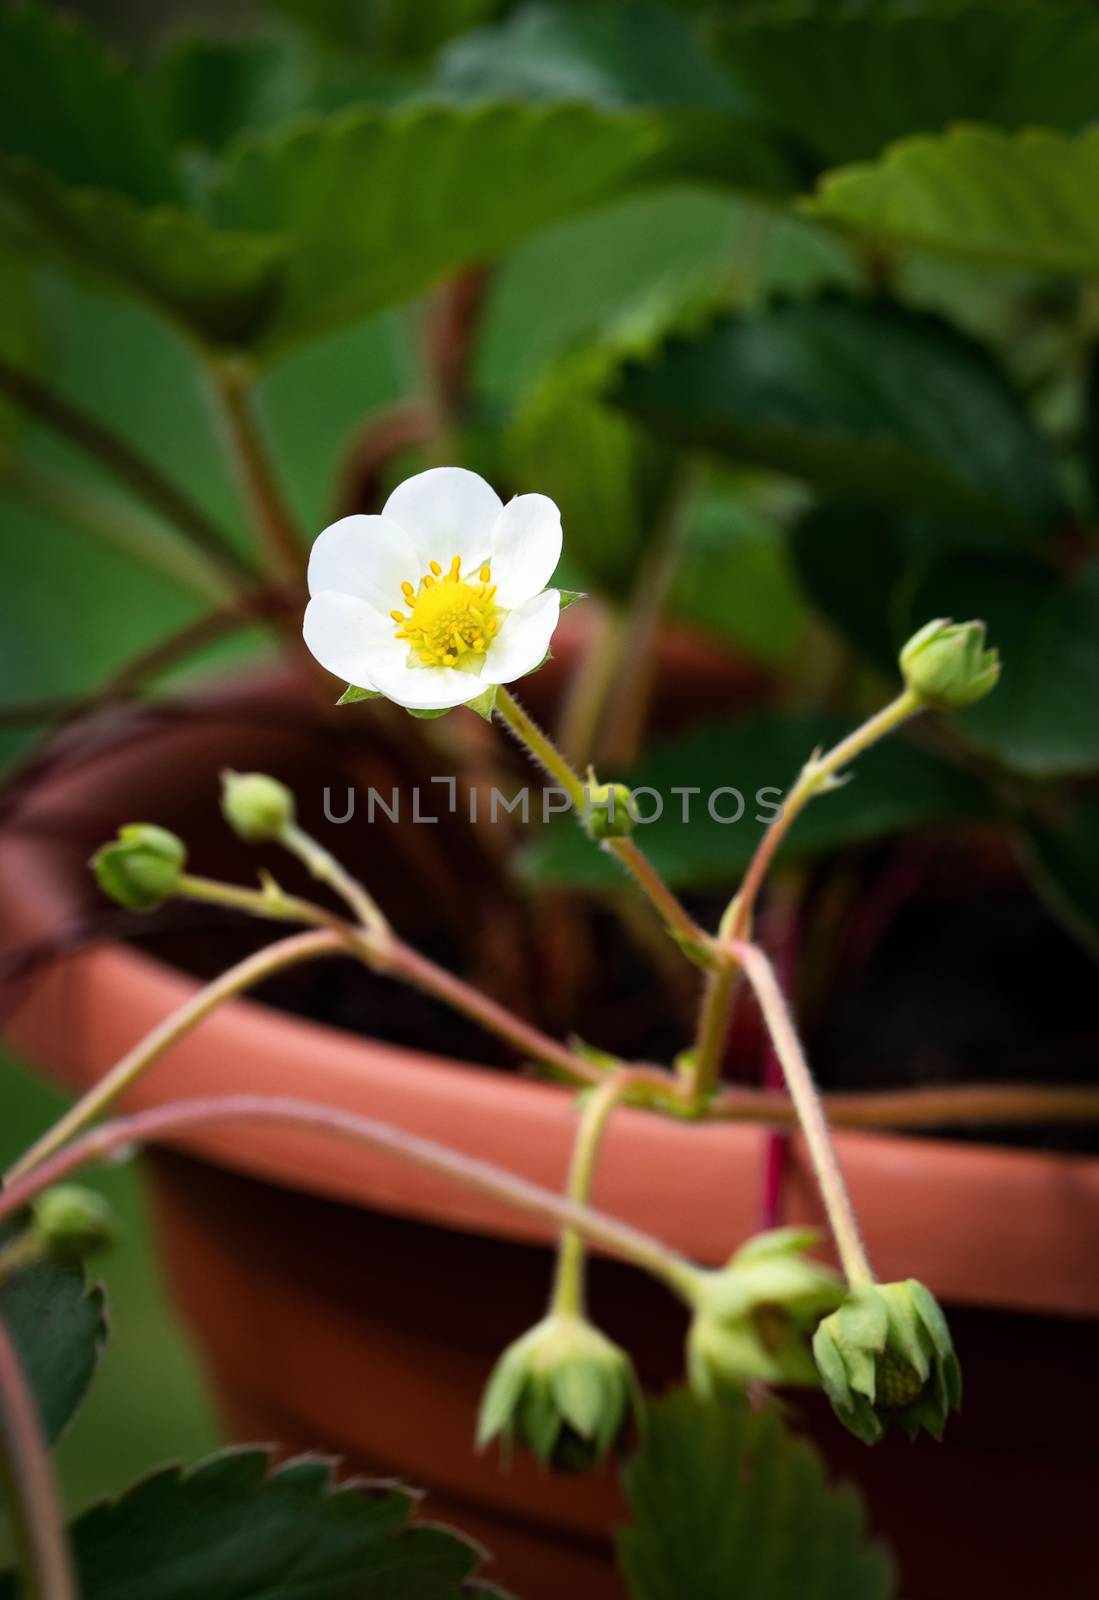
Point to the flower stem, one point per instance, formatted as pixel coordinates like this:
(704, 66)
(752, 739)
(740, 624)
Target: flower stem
(136, 471)
(402, 961)
(713, 1028)
(30, 1494)
(803, 1092)
(544, 751)
(323, 866)
(230, 382)
(270, 901)
(814, 776)
(568, 1286)
(263, 964)
(185, 1117)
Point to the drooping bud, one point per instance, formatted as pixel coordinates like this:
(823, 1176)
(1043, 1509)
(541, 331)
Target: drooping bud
(755, 1317)
(607, 812)
(564, 1390)
(257, 807)
(886, 1356)
(142, 867)
(69, 1223)
(947, 666)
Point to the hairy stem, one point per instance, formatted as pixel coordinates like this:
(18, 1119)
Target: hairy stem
(186, 1117)
(568, 1285)
(323, 865)
(30, 1494)
(900, 1109)
(546, 753)
(245, 975)
(814, 776)
(402, 961)
(124, 462)
(713, 1028)
(803, 1092)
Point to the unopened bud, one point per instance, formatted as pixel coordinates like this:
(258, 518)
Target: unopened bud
(142, 867)
(256, 806)
(947, 666)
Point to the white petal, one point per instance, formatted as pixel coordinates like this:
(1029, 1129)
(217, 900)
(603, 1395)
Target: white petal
(427, 688)
(350, 637)
(369, 557)
(524, 638)
(526, 547)
(446, 511)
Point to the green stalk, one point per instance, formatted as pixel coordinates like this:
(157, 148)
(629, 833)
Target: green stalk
(546, 753)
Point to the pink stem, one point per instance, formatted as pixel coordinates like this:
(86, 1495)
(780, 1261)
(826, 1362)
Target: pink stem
(30, 1492)
(175, 1120)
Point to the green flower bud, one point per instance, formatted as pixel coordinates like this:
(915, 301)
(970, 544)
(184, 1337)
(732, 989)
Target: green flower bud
(754, 1318)
(947, 665)
(607, 811)
(69, 1223)
(142, 867)
(564, 1389)
(886, 1355)
(257, 807)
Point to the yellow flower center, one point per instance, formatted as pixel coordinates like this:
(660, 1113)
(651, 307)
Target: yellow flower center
(450, 622)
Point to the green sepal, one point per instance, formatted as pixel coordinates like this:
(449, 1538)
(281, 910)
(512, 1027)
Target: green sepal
(700, 951)
(886, 1356)
(353, 694)
(485, 704)
(569, 597)
(429, 715)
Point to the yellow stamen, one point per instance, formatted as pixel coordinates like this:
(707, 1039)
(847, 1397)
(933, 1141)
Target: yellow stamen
(452, 619)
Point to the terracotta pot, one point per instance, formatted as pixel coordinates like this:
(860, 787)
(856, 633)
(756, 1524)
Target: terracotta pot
(345, 1301)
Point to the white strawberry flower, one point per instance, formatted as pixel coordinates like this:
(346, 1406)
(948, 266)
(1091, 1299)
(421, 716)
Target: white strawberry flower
(439, 598)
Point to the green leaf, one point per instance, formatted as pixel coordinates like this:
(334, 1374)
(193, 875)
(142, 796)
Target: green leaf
(212, 89)
(220, 281)
(1059, 843)
(842, 83)
(1040, 720)
(59, 1328)
(860, 397)
(895, 786)
(353, 694)
(603, 469)
(21, 342)
(65, 106)
(851, 561)
(391, 29)
(724, 1500)
(630, 54)
(1023, 199)
(236, 1528)
(378, 204)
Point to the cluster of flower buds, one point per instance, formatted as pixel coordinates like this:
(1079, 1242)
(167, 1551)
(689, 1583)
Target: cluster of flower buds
(886, 1356)
(754, 1319)
(564, 1390)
